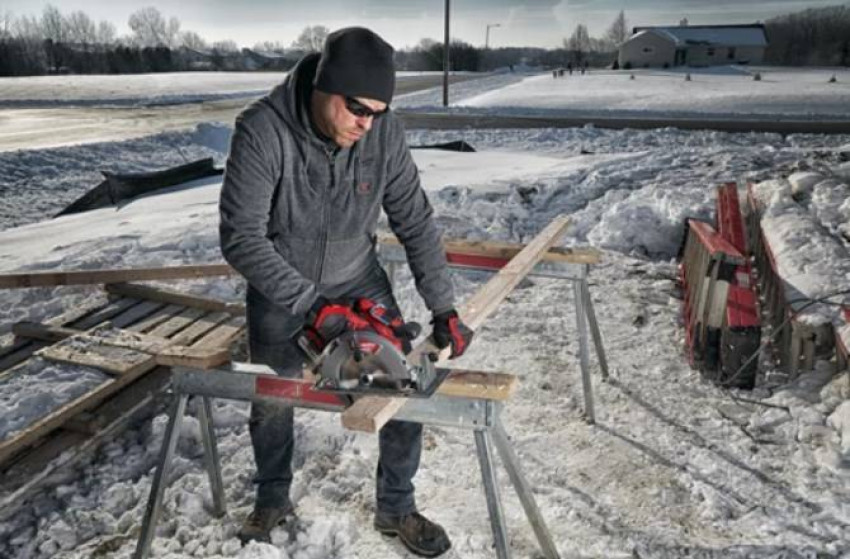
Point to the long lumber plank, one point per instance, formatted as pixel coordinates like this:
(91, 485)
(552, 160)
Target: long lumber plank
(173, 297)
(492, 249)
(501, 250)
(371, 413)
(88, 277)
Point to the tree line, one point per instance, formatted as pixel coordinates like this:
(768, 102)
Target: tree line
(817, 36)
(57, 42)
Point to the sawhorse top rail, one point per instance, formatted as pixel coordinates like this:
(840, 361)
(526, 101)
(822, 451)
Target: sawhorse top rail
(251, 382)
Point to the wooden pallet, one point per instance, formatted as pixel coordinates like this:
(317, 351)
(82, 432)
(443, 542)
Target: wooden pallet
(135, 332)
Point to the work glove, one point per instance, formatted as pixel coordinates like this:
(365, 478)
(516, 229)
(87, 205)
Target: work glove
(449, 329)
(329, 319)
(388, 323)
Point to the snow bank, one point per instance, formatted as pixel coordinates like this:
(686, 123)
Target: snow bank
(812, 263)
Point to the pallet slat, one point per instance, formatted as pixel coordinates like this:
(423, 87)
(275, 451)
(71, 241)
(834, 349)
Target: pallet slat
(174, 297)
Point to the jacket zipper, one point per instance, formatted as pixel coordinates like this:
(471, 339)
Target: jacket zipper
(326, 213)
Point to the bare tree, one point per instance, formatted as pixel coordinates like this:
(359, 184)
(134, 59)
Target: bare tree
(618, 32)
(579, 42)
(270, 46)
(53, 24)
(312, 38)
(224, 47)
(28, 28)
(105, 33)
(7, 20)
(150, 28)
(192, 40)
(81, 29)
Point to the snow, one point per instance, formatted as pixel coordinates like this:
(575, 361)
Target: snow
(781, 93)
(135, 89)
(163, 88)
(673, 467)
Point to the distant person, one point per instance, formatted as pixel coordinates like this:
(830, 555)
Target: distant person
(311, 166)
(570, 67)
(585, 67)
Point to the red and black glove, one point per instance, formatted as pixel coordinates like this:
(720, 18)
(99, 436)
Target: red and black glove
(449, 329)
(388, 323)
(327, 320)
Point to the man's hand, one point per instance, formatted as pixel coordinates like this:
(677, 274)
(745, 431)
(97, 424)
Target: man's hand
(450, 330)
(328, 319)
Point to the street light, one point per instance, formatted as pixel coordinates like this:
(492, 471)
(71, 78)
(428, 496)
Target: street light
(487, 35)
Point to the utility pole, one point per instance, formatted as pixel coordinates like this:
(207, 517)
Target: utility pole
(487, 34)
(446, 58)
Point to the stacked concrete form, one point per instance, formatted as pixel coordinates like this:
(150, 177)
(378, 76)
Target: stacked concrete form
(798, 232)
(723, 330)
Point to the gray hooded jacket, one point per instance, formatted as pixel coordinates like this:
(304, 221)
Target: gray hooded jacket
(297, 214)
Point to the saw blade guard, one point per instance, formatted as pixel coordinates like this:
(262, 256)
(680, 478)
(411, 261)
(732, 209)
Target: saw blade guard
(363, 358)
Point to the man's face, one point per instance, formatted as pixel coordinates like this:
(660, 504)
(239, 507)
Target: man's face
(337, 122)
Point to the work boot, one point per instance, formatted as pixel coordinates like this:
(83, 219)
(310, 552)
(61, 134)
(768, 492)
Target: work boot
(259, 524)
(417, 533)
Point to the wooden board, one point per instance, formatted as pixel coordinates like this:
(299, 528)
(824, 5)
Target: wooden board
(200, 327)
(30, 473)
(90, 277)
(194, 357)
(371, 413)
(114, 276)
(108, 312)
(478, 384)
(223, 334)
(174, 297)
(117, 361)
(177, 322)
(204, 351)
(152, 321)
(135, 313)
(42, 332)
(499, 249)
(21, 350)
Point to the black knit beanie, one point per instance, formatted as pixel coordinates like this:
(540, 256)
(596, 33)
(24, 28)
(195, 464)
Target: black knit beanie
(356, 63)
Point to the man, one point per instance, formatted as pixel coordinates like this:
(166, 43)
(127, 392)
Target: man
(311, 165)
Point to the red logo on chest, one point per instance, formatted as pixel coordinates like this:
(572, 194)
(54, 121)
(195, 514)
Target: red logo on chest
(364, 187)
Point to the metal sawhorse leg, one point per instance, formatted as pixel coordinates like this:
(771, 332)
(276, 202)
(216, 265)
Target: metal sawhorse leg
(576, 273)
(257, 382)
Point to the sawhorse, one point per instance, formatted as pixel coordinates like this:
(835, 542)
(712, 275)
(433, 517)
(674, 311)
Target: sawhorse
(572, 267)
(250, 382)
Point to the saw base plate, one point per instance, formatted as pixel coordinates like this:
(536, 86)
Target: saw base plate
(439, 376)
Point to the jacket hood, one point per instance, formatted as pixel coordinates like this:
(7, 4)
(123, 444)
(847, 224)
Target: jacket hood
(291, 99)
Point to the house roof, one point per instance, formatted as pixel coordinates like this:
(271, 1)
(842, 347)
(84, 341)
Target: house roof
(733, 35)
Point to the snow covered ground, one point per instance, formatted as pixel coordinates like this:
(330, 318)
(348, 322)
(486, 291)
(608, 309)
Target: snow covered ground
(719, 92)
(140, 89)
(674, 466)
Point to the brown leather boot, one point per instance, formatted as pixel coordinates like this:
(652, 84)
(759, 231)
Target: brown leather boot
(417, 533)
(259, 524)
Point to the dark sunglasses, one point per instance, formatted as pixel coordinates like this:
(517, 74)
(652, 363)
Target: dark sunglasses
(358, 109)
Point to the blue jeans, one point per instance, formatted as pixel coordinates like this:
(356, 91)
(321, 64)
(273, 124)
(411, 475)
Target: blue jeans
(270, 339)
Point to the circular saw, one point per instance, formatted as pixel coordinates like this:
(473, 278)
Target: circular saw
(366, 362)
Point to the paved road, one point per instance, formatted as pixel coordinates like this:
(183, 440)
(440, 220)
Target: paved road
(441, 121)
(39, 128)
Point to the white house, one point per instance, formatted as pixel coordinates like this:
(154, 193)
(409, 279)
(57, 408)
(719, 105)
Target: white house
(693, 45)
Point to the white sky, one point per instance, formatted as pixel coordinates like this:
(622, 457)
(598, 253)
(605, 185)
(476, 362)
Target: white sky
(404, 22)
